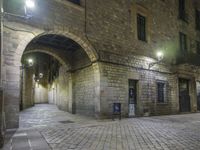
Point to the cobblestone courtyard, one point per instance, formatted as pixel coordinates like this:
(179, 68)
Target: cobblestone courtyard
(45, 127)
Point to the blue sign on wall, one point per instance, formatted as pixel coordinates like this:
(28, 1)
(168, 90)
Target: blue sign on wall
(116, 107)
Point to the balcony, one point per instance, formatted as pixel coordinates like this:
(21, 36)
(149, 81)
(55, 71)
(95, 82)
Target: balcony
(189, 58)
(184, 16)
(75, 1)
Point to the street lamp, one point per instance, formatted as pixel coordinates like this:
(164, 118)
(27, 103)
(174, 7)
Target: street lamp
(159, 56)
(41, 75)
(30, 62)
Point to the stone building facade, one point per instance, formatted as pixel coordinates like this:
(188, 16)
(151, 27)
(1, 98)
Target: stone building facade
(111, 57)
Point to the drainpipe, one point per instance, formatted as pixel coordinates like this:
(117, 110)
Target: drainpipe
(2, 15)
(2, 114)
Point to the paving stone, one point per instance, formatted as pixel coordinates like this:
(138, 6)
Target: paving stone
(176, 132)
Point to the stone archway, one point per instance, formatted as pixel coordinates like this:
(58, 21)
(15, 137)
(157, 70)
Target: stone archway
(13, 73)
(75, 36)
(50, 52)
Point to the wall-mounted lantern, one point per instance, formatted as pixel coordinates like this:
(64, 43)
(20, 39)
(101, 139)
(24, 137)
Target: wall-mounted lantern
(41, 75)
(159, 56)
(28, 8)
(30, 62)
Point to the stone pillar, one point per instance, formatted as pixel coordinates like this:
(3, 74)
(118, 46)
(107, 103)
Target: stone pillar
(2, 119)
(27, 87)
(71, 104)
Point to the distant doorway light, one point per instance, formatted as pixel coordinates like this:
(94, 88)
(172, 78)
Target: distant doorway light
(41, 75)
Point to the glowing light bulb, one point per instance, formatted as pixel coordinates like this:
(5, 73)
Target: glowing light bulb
(30, 3)
(159, 55)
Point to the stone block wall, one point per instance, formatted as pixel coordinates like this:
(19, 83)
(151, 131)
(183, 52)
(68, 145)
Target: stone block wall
(51, 15)
(116, 70)
(115, 28)
(114, 88)
(27, 93)
(84, 90)
(75, 89)
(64, 90)
(111, 30)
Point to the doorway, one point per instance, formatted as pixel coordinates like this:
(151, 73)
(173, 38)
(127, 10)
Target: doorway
(198, 95)
(132, 98)
(184, 97)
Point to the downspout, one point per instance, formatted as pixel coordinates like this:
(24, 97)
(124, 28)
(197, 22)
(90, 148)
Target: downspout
(2, 114)
(2, 16)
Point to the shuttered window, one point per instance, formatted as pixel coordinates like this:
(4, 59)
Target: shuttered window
(197, 19)
(183, 43)
(160, 92)
(141, 27)
(182, 13)
(75, 1)
(198, 47)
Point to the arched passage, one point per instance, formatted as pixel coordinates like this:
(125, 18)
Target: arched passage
(68, 82)
(30, 45)
(77, 37)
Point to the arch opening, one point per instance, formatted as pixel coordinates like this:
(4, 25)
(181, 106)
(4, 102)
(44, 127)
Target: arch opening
(61, 74)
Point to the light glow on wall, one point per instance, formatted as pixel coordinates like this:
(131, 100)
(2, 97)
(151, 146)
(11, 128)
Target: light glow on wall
(159, 55)
(30, 3)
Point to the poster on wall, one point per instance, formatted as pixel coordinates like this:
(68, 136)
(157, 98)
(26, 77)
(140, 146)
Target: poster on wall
(131, 110)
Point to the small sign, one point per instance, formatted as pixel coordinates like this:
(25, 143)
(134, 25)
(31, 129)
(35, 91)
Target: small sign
(116, 110)
(116, 107)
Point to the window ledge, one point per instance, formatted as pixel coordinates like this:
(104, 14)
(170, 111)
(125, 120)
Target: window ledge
(164, 103)
(198, 29)
(143, 41)
(183, 20)
(70, 4)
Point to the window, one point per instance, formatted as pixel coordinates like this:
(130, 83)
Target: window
(161, 92)
(75, 1)
(198, 47)
(141, 27)
(183, 43)
(182, 13)
(197, 19)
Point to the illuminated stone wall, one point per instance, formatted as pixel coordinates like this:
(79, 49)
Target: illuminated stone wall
(110, 30)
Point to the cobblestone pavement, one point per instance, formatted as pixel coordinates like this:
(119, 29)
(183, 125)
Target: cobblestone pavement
(63, 131)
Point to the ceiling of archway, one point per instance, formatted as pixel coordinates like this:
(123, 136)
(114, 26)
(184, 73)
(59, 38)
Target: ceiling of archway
(67, 50)
(58, 42)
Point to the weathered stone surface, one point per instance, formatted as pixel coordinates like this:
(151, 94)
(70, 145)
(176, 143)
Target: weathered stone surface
(2, 118)
(109, 38)
(45, 124)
